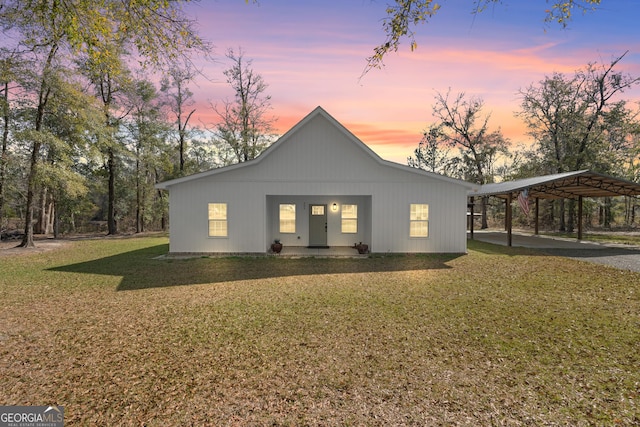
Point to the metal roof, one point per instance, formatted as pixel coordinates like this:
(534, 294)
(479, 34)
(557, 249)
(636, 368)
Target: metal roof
(568, 185)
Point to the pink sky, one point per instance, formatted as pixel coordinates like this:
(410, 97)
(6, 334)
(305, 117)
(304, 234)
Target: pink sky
(313, 53)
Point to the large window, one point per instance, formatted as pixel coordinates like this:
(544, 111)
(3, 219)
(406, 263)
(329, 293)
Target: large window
(349, 218)
(287, 218)
(419, 220)
(217, 220)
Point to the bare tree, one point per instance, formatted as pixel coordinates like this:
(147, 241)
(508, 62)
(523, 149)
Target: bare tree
(462, 126)
(244, 126)
(180, 98)
(571, 118)
(432, 154)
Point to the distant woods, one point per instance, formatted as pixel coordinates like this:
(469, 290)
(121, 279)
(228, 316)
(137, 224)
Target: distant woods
(95, 112)
(579, 121)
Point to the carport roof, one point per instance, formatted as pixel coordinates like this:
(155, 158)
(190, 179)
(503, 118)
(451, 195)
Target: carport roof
(569, 185)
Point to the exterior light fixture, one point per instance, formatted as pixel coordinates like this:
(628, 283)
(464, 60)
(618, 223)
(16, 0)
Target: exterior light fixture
(334, 207)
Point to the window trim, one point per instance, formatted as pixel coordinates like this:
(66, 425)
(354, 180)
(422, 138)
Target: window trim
(295, 218)
(211, 219)
(420, 221)
(349, 219)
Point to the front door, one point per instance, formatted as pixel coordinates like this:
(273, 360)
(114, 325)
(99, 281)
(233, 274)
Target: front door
(317, 225)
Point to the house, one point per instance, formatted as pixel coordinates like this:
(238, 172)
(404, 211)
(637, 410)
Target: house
(317, 186)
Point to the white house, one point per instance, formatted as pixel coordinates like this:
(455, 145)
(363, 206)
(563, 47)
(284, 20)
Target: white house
(317, 186)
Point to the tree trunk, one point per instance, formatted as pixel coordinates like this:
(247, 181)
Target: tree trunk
(160, 195)
(484, 202)
(182, 143)
(40, 225)
(571, 215)
(27, 239)
(550, 217)
(607, 212)
(43, 97)
(111, 214)
(51, 216)
(142, 210)
(56, 220)
(600, 215)
(138, 197)
(3, 153)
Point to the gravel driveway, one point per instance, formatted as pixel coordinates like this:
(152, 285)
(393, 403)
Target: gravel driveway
(624, 257)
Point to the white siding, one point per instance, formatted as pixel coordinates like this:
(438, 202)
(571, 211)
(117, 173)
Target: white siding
(318, 162)
(383, 210)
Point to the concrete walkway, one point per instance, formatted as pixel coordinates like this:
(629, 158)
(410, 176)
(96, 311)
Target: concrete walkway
(330, 252)
(620, 256)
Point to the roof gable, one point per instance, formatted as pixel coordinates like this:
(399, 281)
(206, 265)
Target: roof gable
(316, 148)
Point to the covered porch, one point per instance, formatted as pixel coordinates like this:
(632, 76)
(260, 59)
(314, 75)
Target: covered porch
(330, 252)
(318, 224)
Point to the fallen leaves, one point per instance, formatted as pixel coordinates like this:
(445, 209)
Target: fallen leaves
(483, 339)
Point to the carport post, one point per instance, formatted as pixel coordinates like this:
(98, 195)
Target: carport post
(537, 216)
(507, 219)
(579, 217)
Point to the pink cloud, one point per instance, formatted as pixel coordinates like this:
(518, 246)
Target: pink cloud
(313, 55)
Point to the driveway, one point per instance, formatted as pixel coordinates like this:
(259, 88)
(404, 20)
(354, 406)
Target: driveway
(624, 257)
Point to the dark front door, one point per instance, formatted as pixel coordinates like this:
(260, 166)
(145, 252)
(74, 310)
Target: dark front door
(317, 225)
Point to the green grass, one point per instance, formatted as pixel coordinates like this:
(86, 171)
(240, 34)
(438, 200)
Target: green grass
(501, 336)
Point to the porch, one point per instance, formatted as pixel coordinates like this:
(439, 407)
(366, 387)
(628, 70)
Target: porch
(330, 252)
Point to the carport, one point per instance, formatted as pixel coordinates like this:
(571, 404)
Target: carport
(568, 185)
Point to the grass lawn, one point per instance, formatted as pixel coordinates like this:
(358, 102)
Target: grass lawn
(501, 336)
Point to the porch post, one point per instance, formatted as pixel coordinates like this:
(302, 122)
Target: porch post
(471, 217)
(579, 217)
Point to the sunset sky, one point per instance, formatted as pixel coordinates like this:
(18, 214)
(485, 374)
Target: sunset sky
(313, 52)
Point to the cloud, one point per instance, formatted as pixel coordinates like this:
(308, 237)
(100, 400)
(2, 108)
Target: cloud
(313, 53)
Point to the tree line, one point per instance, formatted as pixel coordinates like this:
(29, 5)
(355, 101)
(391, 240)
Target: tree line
(96, 109)
(576, 122)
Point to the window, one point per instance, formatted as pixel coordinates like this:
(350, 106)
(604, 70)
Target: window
(217, 220)
(287, 218)
(419, 221)
(317, 210)
(349, 218)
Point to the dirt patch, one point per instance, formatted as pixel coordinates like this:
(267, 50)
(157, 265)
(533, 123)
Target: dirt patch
(46, 243)
(11, 248)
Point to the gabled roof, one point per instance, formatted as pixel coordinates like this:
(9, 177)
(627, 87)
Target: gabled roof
(569, 185)
(318, 111)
